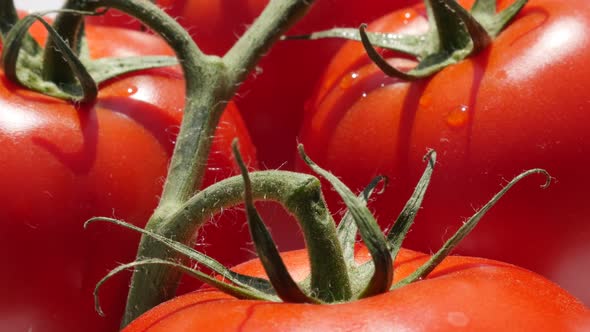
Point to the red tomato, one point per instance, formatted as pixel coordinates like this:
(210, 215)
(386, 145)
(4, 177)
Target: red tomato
(463, 293)
(61, 165)
(520, 104)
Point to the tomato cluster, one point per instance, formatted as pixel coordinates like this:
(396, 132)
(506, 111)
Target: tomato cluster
(520, 103)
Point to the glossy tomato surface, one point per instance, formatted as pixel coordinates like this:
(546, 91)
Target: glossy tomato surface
(520, 104)
(62, 165)
(462, 294)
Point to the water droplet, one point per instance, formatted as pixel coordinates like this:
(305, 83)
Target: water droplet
(131, 90)
(172, 133)
(458, 117)
(425, 101)
(406, 17)
(347, 81)
(364, 95)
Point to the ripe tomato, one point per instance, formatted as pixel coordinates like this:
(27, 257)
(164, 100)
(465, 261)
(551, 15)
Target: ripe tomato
(519, 104)
(61, 165)
(473, 294)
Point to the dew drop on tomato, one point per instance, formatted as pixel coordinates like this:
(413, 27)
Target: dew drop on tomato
(458, 117)
(348, 80)
(425, 101)
(131, 90)
(172, 133)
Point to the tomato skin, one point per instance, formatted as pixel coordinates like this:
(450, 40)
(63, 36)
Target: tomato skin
(61, 165)
(520, 104)
(468, 293)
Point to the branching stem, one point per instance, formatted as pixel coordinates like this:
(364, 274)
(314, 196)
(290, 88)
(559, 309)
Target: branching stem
(210, 82)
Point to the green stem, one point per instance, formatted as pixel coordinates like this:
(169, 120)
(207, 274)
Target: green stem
(273, 22)
(70, 26)
(84, 90)
(210, 82)
(205, 87)
(8, 16)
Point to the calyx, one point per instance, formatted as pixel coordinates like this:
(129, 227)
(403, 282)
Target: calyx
(454, 34)
(353, 281)
(23, 58)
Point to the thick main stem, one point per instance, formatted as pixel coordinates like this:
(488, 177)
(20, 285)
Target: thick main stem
(205, 88)
(210, 83)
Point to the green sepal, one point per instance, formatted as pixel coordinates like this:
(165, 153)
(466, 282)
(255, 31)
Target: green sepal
(274, 266)
(26, 69)
(454, 35)
(363, 278)
(458, 32)
(407, 44)
(8, 17)
(104, 69)
(238, 292)
(484, 11)
(465, 229)
(369, 230)
(347, 229)
(380, 62)
(22, 61)
(404, 221)
(249, 283)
